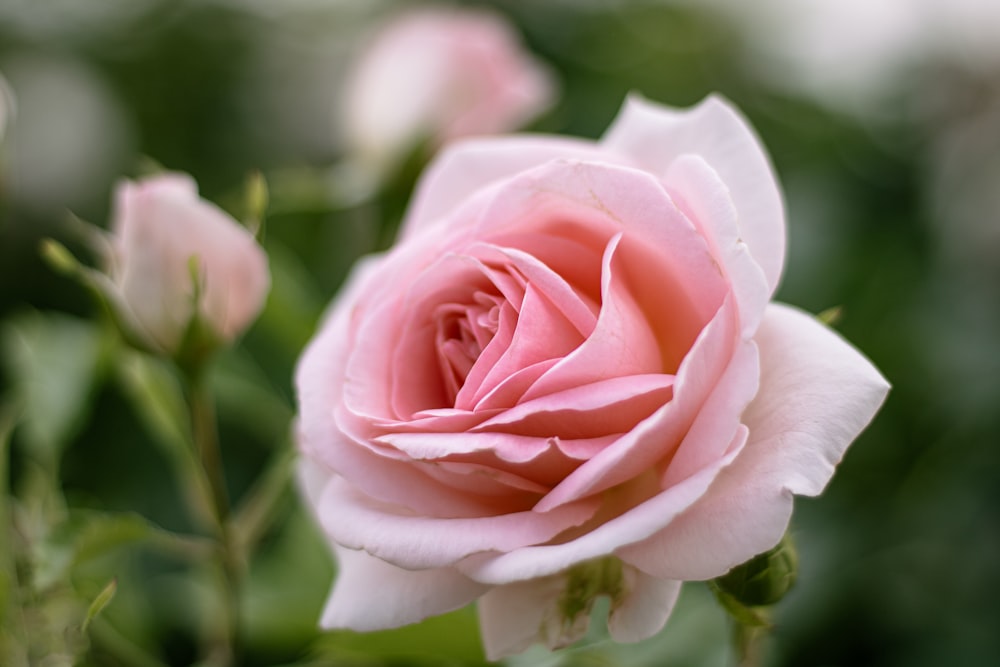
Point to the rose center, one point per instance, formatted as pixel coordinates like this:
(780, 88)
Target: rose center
(462, 332)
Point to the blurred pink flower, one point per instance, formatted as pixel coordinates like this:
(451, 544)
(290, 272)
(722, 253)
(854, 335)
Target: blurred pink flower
(159, 226)
(435, 74)
(567, 380)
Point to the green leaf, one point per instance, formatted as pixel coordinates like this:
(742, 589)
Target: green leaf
(295, 303)
(156, 394)
(100, 602)
(86, 535)
(54, 363)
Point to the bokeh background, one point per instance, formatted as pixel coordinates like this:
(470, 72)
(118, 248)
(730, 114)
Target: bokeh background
(883, 123)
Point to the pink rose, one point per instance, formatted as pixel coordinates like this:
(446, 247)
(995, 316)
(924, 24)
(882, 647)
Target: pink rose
(569, 370)
(159, 225)
(438, 74)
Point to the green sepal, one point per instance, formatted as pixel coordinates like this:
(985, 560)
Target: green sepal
(764, 579)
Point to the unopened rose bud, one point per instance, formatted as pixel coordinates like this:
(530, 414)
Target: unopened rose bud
(182, 266)
(764, 579)
(433, 75)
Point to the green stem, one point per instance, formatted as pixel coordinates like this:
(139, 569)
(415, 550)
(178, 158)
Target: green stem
(221, 651)
(748, 640)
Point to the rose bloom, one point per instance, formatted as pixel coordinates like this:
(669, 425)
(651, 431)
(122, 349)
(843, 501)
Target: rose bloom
(435, 74)
(159, 225)
(567, 379)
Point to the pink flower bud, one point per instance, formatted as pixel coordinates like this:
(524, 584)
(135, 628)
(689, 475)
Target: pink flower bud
(178, 256)
(435, 75)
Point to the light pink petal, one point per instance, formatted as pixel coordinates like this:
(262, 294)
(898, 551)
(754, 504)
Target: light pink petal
(597, 409)
(470, 165)
(515, 616)
(645, 608)
(704, 197)
(417, 542)
(506, 446)
(719, 416)
(358, 599)
(633, 525)
(653, 136)
(817, 394)
(656, 438)
(518, 493)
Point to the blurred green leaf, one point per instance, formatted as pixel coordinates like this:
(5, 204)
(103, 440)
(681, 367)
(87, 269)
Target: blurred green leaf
(100, 602)
(295, 302)
(156, 394)
(450, 639)
(87, 535)
(54, 362)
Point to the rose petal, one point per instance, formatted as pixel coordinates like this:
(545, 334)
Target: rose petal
(704, 197)
(653, 136)
(719, 416)
(656, 438)
(633, 525)
(355, 604)
(645, 608)
(467, 166)
(597, 409)
(415, 542)
(513, 617)
(817, 393)
(601, 356)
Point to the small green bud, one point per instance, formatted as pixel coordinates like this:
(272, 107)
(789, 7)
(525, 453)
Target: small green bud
(59, 257)
(256, 199)
(831, 316)
(764, 579)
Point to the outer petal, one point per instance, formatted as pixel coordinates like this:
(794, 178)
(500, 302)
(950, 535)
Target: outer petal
(358, 601)
(645, 608)
(513, 617)
(634, 525)
(470, 165)
(817, 394)
(654, 136)
(705, 199)
(415, 542)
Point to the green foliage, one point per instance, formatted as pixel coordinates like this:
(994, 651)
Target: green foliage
(54, 361)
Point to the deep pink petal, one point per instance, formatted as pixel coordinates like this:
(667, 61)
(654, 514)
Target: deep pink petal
(656, 438)
(621, 343)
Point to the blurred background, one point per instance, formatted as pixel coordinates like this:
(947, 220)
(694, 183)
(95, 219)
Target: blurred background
(882, 121)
